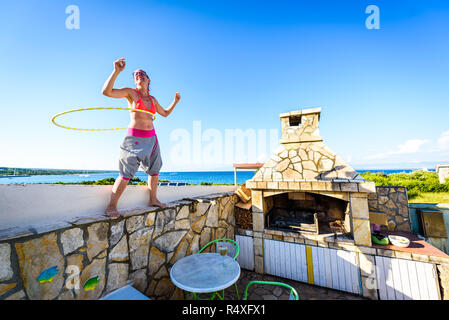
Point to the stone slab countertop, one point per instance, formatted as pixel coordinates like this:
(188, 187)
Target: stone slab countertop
(417, 245)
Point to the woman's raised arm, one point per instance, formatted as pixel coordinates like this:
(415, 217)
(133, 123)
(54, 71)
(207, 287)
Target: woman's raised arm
(108, 89)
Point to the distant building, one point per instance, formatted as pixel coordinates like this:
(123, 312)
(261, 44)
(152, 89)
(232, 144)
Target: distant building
(442, 171)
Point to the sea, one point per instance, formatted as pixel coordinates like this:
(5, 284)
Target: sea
(191, 177)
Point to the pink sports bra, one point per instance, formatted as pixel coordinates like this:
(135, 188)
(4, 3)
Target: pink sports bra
(140, 105)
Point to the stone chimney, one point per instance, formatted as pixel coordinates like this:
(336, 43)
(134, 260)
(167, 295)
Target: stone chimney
(303, 163)
(301, 126)
(302, 156)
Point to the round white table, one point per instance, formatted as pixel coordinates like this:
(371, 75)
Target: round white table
(205, 272)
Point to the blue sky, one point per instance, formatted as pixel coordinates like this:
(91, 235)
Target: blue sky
(238, 65)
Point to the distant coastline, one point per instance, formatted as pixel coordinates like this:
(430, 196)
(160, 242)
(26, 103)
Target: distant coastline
(49, 176)
(15, 176)
(7, 172)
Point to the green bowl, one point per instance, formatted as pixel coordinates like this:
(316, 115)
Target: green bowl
(384, 241)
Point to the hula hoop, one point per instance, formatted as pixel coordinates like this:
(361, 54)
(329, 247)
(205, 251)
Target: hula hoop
(95, 108)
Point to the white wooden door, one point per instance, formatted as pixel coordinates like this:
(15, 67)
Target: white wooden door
(246, 254)
(400, 279)
(285, 259)
(336, 269)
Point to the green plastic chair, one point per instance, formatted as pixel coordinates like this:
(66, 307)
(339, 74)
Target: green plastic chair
(233, 252)
(293, 293)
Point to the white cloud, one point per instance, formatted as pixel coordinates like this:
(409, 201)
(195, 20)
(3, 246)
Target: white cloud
(443, 141)
(411, 146)
(408, 147)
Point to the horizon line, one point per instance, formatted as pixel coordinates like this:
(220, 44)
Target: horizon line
(232, 170)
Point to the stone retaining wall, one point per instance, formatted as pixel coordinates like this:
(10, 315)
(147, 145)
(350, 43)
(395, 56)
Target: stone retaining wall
(138, 246)
(392, 201)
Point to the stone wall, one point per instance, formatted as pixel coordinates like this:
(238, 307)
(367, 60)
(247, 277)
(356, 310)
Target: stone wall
(138, 246)
(443, 275)
(392, 201)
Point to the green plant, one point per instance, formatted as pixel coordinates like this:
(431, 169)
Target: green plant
(413, 193)
(416, 182)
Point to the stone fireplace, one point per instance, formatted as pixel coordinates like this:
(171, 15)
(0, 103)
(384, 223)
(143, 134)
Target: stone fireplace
(311, 222)
(306, 189)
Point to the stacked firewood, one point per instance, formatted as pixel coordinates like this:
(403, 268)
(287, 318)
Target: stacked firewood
(242, 209)
(243, 217)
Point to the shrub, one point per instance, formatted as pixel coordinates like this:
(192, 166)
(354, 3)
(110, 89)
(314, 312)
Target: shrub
(412, 194)
(416, 182)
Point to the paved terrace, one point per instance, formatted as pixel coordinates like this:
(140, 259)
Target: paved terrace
(269, 292)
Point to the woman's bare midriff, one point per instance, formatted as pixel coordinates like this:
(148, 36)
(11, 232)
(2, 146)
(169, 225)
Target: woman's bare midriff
(140, 120)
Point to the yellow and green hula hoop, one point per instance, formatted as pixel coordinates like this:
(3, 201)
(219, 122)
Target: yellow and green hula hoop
(96, 108)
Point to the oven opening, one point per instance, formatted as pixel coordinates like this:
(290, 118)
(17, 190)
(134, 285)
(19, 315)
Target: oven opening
(306, 212)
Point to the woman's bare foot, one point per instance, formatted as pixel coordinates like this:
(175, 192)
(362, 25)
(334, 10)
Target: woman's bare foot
(112, 212)
(157, 203)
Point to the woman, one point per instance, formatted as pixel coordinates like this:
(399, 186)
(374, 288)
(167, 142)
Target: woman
(140, 146)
